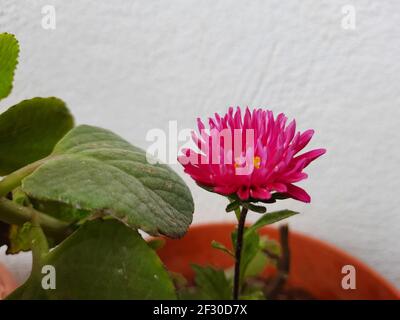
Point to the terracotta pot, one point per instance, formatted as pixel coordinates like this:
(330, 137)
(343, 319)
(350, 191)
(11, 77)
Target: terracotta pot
(315, 266)
(7, 282)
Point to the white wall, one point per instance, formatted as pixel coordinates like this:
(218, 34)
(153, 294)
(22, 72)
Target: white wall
(131, 66)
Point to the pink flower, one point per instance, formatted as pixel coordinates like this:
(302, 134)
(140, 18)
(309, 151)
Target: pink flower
(261, 158)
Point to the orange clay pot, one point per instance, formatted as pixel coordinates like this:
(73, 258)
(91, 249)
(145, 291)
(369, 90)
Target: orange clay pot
(315, 266)
(7, 282)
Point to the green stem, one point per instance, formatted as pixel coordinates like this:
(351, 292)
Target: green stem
(238, 253)
(14, 179)
(40, 246)
(13, 213)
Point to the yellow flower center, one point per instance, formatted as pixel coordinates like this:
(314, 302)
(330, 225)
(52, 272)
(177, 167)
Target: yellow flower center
(256, 162)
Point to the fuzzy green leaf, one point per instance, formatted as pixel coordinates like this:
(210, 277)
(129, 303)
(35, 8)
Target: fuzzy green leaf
(212, 283)
(101, 260)
(29, 131)
(9, 50)
(96, 171)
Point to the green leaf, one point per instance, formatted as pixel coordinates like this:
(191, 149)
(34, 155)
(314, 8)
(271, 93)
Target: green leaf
(260, 261)
(272, 246)
(156, 244)
(15, 234)
(104, 259)
(250, 248)
(14, 230)
(254, 259)
(232, 206)
(59, 210)
(254, 289)
(19, 197)
(280, 196)
(212, 283)
(275, 196)
(29, 131)
(9, 50)
(219, 246)
(94, 170)
(255, 208)
(270, 218)
(256, 295)
(190, 293)
(256, 265)
(19, 239)
(178, 279)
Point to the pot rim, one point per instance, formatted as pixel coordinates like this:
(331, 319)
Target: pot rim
(7, 281)
(321, 243)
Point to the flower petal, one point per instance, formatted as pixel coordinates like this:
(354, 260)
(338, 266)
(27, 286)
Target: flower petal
(260, 193)
(298, 193)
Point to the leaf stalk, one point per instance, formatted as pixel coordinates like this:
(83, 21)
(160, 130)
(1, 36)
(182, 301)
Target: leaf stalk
(13, 213)
(13, 180)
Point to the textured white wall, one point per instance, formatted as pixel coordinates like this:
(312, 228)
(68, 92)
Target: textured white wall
(131, 66)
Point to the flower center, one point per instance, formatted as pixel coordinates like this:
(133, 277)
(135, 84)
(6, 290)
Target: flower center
(256, 163)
